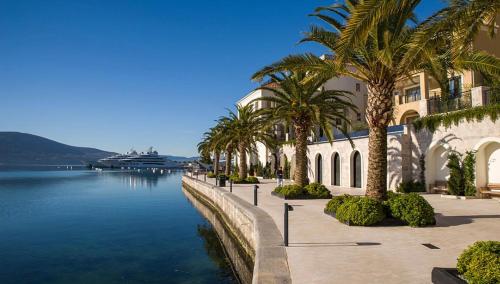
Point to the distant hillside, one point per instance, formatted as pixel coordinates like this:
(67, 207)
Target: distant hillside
(181, 159)
(27, 149)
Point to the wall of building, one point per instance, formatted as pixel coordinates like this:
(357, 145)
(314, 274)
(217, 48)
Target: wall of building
(467, 136)
(398, 155)
(405, 150)
(358, 90)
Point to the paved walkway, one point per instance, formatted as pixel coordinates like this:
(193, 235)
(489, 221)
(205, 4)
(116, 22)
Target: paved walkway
(322, 250)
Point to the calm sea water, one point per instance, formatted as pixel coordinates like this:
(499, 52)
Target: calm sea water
(104, 227)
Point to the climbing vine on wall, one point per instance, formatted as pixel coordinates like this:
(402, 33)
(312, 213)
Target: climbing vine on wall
(432, 122)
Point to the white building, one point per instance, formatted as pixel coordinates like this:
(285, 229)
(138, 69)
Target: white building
(340, 164)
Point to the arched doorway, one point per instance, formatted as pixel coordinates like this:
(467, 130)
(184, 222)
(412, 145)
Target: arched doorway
(335, 169)
(319, 169)
(493, 152)
(436, 159)
(409, 116)
(356, 169)
(488, 162)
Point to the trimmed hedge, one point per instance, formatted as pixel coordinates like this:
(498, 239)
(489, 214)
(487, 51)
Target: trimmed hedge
(318, 190)
(290, 191)
(334, 204)
(480, 263)
(411, 186)
(310, 191)
(248, 180)
(360, 211)
(412, 209)
(252, 180)
(210, 175)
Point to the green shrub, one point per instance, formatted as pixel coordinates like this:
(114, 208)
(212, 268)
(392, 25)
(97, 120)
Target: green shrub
(335, 203)
(210, 175)
(252, 180)
(410, 186)
(480, 263)
(469, 168)
(318, 190)
(455, 181)
(291, 190)
(360, 211)
(412, 209)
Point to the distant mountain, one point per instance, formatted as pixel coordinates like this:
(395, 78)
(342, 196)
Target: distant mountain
(181, 159)
(26, 149)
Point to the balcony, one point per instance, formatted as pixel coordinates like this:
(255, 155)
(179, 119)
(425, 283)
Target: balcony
(491, 96)
(410, 95)
(338, 136)
(437, 104)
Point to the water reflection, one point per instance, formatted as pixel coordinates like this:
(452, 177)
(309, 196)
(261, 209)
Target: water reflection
(234, 254)
(91, 227)
(215, 250)
(141, 178)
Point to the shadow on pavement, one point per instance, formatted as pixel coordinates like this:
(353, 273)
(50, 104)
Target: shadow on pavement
(339, 244)
(449, 221)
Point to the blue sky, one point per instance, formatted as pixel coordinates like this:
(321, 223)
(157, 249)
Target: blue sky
(120, 74)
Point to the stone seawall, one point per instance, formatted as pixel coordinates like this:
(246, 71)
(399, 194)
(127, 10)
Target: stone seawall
(252, 227)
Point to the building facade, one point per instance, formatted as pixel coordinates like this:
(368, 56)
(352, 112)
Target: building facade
(411, 154)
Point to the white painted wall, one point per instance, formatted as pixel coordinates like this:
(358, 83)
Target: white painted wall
(442, 173)
(492, 151)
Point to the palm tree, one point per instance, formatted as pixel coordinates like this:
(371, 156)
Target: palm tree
(300, 101)
(210, 144)
(227, 140)
(377, 42)
(247, 128)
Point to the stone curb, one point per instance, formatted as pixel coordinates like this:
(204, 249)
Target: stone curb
(270, 263)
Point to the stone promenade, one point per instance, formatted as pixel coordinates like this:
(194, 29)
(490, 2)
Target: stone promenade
(322, 250)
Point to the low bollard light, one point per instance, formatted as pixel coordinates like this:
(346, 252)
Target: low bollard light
(230, 185)
(255, 187)
(285, 229)
(205, 177)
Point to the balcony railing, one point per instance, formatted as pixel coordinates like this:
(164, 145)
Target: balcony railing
(338, 136)
(491, 96)
(438, 104)
(411, 97)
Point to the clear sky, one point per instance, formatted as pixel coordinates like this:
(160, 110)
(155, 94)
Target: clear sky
(120, 74)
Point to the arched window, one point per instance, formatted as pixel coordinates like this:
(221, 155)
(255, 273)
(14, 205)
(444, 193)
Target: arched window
(336, 169)
(319, 169)
(356, 170)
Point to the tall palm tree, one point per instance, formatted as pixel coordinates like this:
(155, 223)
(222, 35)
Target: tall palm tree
(210, 144)
(377, 42)
(227, 140)
(248, 128)
(300, 101)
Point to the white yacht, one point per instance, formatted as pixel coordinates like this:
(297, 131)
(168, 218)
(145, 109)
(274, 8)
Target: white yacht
(115, 160)
(149, 159)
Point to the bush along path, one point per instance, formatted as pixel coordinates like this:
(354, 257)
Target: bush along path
(405, 209)
(310, 191)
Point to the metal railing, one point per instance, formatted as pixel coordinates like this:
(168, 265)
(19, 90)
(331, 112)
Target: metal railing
(409, 98)
(338, 136)
(491, 96)
(437, 104)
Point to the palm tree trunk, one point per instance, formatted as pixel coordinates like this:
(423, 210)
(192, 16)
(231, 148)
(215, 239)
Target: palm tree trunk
(229, 153)
(378, 114)
(243, 170)
(300, 175)
(216, 163)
